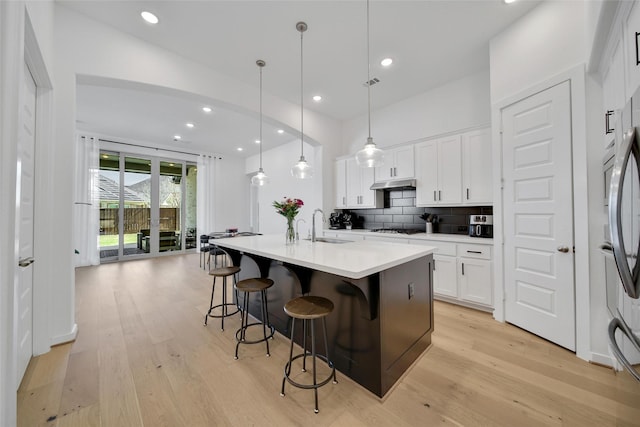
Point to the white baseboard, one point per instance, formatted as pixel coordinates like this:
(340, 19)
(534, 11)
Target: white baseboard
(603, 359)
(61, 339)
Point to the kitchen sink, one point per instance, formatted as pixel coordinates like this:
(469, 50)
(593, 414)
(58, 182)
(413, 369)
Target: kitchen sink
(331, 240)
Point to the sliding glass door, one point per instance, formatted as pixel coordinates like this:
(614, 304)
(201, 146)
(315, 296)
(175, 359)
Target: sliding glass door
(141, 206)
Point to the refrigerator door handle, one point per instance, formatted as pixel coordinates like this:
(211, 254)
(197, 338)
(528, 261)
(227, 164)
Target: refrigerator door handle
(630, 279)
(613, 326)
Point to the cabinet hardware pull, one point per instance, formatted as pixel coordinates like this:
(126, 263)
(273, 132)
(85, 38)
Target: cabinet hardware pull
(434, 265)
(434, 195)
(439, 195)
(395, 171)
(474, 252)
(637, 59)
(607, 125)
(467, 194)
(463, 268)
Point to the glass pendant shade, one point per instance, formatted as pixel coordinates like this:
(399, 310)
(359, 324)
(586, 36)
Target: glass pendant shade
(260, 178)
(370, 156)
(302, 169)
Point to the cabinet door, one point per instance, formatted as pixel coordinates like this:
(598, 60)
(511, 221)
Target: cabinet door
(426, 173)
(613, 92)
(632, 42)
(449, 170)
(444, 276)
(474, 278)
(341, 184)
(404, 162)
(476, 171)
(354, 183)
(367, 195)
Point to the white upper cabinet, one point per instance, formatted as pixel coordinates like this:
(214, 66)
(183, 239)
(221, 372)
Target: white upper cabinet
(439, 172)
(613, 92)
(476, 168)
(357, 183)
(632, 49)
(398, 164)
(341, 183)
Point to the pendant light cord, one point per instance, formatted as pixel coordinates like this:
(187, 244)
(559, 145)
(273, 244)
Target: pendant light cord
(260, 115)
(301, 101)
(368, 76)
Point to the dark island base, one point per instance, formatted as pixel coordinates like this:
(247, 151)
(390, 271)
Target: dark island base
(380, 324)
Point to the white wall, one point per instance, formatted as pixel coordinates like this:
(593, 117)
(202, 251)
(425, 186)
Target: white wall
(550, 44)
(547, 40)
(277, 165)
(457, 105)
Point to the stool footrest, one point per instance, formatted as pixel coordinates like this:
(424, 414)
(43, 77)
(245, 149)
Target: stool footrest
(239, 333)
(225, 313)
(332, 375)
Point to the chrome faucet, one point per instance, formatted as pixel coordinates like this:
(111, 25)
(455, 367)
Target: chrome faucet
(313, 223)
(298, 234)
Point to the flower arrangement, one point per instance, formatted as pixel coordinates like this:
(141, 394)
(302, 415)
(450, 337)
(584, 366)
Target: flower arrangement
(289, 208)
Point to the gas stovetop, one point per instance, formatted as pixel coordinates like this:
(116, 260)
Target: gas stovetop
(396, 231)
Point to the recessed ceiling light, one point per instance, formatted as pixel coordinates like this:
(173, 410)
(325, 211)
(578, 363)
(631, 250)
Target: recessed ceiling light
(257, 141)
(206, 109)
(509, 1)
(149, 17)
(317, 98)
(190, 125)
(280, 131)
(240, 148)
(386, 62)
(178, 137)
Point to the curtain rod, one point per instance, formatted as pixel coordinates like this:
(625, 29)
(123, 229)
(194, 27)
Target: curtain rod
(156, 148)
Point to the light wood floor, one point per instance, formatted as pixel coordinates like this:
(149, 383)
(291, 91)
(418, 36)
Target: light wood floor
(143, 357)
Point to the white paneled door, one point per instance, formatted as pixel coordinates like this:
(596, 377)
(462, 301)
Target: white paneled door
(26, 170)
(538, 215)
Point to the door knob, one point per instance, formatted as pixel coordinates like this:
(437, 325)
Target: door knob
(563, 249)
(25, 262)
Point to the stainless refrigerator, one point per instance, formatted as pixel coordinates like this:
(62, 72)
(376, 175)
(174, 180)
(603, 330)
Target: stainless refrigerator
(621, 251)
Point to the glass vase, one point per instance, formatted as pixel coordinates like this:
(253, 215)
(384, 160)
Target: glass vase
(290, 236)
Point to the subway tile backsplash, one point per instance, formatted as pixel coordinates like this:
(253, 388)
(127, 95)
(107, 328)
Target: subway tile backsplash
(400, 211)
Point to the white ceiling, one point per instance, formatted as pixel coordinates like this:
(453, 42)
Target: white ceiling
(431, 43)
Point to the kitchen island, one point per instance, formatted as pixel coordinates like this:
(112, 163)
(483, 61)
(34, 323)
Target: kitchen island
(382, 293)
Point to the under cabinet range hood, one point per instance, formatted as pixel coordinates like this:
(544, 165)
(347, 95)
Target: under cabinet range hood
(398, 184)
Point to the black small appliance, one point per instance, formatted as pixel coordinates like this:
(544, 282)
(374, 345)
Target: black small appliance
(481, 226)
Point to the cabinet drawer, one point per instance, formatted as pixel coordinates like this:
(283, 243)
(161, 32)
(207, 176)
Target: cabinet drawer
(474, 251)
(445, 248)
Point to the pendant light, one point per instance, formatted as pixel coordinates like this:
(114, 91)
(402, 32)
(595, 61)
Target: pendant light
(370, 156)
(260, 178)
(301, 169)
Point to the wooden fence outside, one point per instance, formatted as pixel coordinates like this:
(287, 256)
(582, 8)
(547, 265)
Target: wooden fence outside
(136, 219)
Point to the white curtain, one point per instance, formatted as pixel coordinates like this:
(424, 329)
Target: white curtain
(206, 195)
(87, 201)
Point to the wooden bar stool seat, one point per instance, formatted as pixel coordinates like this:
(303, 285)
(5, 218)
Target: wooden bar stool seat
(309, 308)
(249, 286)
(223, 272)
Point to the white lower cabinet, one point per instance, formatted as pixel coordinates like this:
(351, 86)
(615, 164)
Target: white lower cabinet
(462, 273)
(474, 278)
(445, 280)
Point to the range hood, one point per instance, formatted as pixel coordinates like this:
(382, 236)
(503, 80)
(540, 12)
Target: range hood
(398, 184)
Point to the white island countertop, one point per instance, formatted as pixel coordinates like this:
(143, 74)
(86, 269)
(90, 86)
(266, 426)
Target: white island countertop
(354, 260)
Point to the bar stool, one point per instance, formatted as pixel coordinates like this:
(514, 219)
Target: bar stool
(249, 286)
(309, 308)
(223, 272)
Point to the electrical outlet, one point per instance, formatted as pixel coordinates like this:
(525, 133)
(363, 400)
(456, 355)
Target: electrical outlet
(411, 290)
